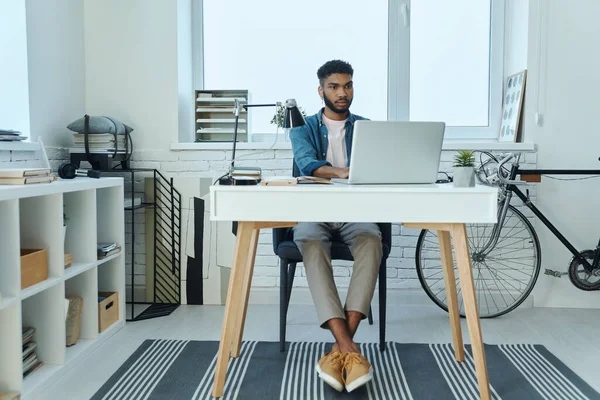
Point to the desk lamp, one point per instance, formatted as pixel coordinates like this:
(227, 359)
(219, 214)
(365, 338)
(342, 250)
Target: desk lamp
(292, 117)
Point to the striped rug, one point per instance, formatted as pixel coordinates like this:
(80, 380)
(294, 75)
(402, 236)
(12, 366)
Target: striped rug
(183, 370)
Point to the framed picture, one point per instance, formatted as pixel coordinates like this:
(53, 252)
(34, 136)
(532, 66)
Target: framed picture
(512, 107)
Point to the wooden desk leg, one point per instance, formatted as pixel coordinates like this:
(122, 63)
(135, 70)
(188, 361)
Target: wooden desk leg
(236, 345)
(463, 259)
(233, 304)
(451, 295)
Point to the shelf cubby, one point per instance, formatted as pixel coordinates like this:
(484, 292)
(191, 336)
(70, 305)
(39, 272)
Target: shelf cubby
(109, 202)
(10, 279)
(41, 228)
(80, 240)
(45, 312)
(111, 277)
(85, 285)
(11, 353)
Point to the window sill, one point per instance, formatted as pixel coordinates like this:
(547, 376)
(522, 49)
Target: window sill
(449, 145)
(280, 145)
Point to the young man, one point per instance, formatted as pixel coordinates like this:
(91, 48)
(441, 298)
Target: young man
(322, 148)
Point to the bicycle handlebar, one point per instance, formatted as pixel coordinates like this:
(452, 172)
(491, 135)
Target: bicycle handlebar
(506, 159)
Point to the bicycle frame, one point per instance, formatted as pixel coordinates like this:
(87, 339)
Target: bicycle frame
(512, 188)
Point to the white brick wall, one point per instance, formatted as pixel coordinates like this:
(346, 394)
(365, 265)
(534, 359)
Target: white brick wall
(400, 266)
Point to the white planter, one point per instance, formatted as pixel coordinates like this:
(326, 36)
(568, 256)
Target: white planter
(464, 177)
(64, 234)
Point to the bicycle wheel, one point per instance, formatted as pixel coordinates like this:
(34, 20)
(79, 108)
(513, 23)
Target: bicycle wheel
(503, 278)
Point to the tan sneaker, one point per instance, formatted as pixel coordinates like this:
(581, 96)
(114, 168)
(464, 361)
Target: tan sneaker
(330, 368)
(358, 371)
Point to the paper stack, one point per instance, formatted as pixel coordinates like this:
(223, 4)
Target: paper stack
(247, 172)
(107, 249)
(30, 360)
(9, 135)
(25, 176)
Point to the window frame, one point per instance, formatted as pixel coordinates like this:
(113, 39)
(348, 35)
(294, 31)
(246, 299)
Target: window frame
(398, 69)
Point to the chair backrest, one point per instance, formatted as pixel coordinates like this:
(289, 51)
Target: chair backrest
(282, 234)
(295, 169)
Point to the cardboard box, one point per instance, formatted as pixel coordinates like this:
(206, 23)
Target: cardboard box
(108, 310)
(34, 266)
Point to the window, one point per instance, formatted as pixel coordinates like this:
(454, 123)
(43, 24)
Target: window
(419, 60)
(14, 101)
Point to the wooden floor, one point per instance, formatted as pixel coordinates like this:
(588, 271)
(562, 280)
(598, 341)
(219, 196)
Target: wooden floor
(571, 334)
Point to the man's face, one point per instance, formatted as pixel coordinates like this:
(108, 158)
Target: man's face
(337, 92)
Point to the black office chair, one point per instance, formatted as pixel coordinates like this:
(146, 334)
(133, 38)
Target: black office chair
(289, 255)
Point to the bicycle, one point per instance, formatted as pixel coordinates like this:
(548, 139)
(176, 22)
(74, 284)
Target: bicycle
(505, 256)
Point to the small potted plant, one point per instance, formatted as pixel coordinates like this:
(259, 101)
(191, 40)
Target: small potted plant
(277, 119)
(464, 169)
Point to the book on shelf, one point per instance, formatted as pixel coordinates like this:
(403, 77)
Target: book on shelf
(23, 172)
(73, 321)
(30, 360)
(29, 180)
(10, 135)
(27, 333)
(25, 176)
(68, 260)
(28, 349)
(107, 249)
(106, 246)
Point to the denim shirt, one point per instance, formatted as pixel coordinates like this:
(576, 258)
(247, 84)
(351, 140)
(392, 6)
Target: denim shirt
(310, 142)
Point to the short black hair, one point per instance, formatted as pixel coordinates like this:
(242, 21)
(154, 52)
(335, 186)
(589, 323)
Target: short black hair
(334, 67)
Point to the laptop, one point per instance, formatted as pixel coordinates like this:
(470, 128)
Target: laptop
(395, 152)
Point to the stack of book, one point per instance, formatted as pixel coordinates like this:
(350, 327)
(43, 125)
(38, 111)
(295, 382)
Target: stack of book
(247, 172)
(30, 360)
(25, 176)
(9, 135)
(99, 143)
(107, 249)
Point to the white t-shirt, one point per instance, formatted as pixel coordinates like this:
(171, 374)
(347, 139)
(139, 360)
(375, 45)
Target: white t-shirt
(336, 150)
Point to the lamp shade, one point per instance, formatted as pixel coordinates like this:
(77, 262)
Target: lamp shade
(292, 117)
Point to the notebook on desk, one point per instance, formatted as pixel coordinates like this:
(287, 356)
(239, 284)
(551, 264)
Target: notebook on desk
(395, 152)
(289, 181)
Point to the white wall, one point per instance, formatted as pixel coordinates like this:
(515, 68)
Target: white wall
(14, 98)
(131, 68)
(55, 48)
(564, 85)
(185, 71)
(143, 90)
(515, 36)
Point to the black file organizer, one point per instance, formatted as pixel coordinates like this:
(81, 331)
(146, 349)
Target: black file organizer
(167, 245)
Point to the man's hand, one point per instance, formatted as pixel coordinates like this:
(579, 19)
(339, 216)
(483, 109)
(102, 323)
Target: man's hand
(344, 173)
(332, 172)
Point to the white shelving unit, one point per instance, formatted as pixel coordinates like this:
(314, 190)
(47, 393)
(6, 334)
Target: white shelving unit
(32, 217)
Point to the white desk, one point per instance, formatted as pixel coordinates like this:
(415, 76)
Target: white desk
(440, 207)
